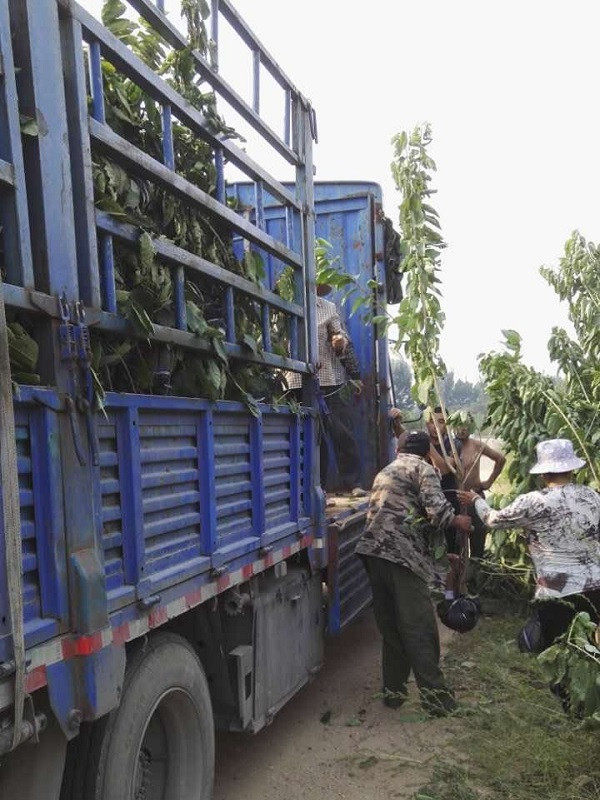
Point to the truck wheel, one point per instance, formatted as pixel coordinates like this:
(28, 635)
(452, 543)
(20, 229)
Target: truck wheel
(159, 743)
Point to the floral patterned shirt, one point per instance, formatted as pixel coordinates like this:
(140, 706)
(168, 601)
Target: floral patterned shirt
(562, 525)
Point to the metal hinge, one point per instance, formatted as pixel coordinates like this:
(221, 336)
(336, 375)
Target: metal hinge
(76, 354)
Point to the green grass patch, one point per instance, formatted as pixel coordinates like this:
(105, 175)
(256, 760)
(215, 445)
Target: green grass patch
(516, 742)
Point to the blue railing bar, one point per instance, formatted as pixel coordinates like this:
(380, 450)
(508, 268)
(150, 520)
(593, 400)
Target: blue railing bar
(230, 315)
(214, 33)
(133, 67)
(167, 131)
(206, 456)
(14, 217)
(20, 297)
(220, 170)
(256, 81)
(107, 258)
(107, 272)
(160, 4)
(176, 256)
(256, 476)
(295, 467)
(7, 173)
(286, 117)
(246, 35)
(113, 323)
(259, 202)
(289, 228)
(132, 158)
(298, 284)
(293, 337)
(179, 298)
(266, 327)
(177, 275)
(97, 82)
(208, 72)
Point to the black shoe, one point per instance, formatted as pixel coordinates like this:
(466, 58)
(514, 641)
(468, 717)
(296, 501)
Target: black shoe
(438, 703)
(393, 699)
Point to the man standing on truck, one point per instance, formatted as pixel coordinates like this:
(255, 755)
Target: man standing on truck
(337, 364)
(407, 513)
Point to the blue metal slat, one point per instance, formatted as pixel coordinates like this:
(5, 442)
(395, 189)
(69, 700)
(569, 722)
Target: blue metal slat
(256, 472)
(206, 465)
(50, 533)
(130, 472)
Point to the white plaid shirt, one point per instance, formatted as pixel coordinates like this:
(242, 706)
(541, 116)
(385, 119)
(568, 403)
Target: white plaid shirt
(332, 372)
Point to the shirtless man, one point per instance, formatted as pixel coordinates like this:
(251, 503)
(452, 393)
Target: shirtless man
(471, 452)
(435, 421)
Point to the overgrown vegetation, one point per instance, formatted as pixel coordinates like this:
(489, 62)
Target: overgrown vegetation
(526, 405)
(145, 293)
(512, 740)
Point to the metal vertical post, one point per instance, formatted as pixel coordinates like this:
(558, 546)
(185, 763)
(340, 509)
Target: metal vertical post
(230, 314)
(381, 343)
(76, 95)
(256, 80)
(11, 523)
(107, 261)
(214, 33)
(178, 273)
(256, 475)
(14, 218)
(305, 195)
(298, 284)
(107, 277)
(37, 43)
(286, 116)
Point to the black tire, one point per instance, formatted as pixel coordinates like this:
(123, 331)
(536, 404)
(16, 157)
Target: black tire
(159, 743)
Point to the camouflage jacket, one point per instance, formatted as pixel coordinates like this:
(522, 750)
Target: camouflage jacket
(562, 528)
(407, 514)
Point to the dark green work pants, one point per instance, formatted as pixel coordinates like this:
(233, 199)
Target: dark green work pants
(407, 623)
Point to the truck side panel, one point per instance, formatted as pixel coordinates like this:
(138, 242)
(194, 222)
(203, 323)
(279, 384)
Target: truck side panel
(132, 517)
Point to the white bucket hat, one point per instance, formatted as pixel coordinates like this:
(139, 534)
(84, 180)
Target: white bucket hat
(556, 455)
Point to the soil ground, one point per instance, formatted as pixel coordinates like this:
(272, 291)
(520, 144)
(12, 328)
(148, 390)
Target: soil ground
(364, 752)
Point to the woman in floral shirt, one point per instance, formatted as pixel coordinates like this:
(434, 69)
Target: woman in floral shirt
(562, 526)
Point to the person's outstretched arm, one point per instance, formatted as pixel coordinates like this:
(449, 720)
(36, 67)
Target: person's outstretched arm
(518, 514)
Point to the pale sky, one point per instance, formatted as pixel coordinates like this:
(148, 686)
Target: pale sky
(510, 89)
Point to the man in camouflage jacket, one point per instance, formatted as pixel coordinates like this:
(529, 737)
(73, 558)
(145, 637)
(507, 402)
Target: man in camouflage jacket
(407, 516)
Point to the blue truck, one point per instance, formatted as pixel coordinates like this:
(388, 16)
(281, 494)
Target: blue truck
(167, 563)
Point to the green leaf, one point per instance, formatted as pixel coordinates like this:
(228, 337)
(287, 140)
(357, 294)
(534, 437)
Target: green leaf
(249, 342)
(424, 389)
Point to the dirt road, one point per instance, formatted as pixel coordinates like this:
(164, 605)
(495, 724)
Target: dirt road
(365, 752)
